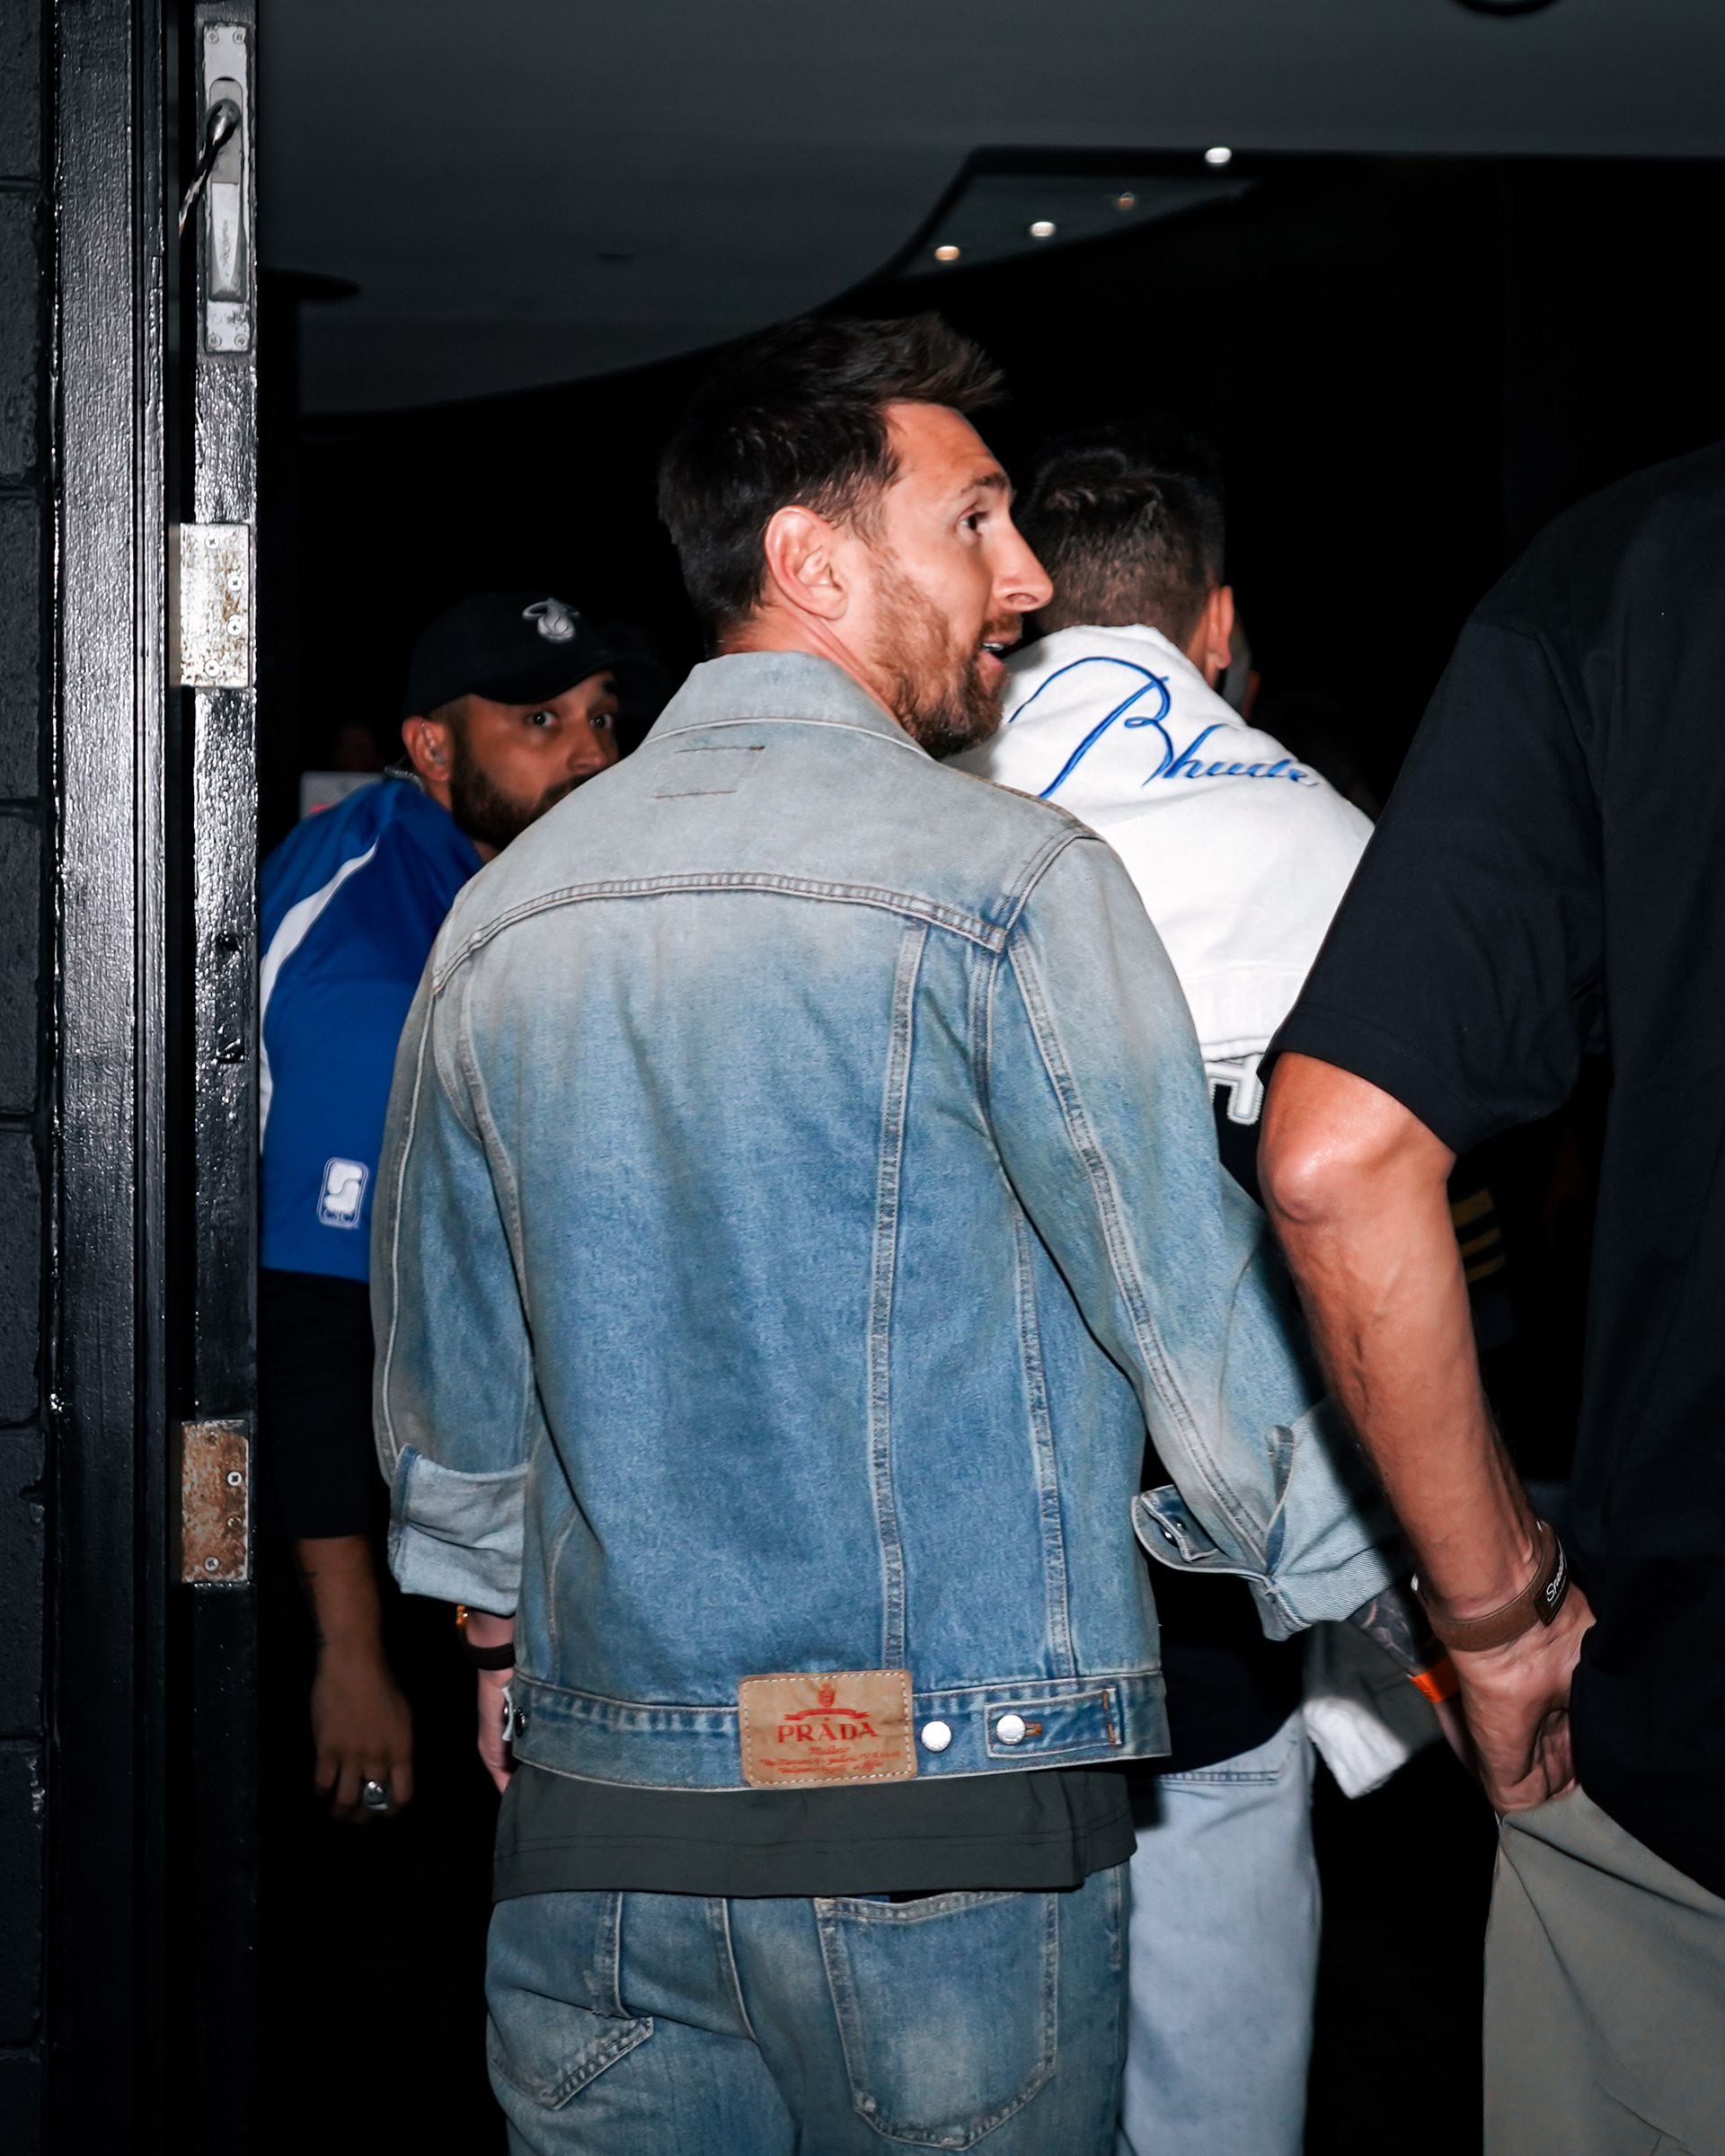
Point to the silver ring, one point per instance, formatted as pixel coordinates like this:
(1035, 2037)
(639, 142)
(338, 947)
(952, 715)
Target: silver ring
(375, 1795)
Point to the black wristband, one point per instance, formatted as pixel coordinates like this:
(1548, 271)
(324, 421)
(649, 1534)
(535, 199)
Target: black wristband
(483, 1657)
(488, 1657)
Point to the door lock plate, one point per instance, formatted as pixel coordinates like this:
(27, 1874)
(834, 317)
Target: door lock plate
(216, 1502)
(209, 606)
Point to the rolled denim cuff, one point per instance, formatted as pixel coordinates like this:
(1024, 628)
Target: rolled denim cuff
(457, 1537)
(1288, 1599)
(1331, 1543)
(1290, 1602)
(1334, 1542)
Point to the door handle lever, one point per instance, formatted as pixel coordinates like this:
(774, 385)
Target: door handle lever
(224, 182)
(219, 129)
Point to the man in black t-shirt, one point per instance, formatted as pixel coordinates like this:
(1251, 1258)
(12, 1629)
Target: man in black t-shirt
(1545, 885)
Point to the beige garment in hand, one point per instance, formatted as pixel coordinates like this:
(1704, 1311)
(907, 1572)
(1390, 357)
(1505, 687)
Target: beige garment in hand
(1605, 1994)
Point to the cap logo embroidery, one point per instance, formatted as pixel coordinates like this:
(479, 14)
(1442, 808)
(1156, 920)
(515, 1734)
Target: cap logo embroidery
(555, 621)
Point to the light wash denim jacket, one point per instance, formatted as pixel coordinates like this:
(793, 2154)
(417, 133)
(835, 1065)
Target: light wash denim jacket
(800, 1193)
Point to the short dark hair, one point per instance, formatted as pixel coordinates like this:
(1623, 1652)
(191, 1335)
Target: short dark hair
(1128, 521)
(797, 415)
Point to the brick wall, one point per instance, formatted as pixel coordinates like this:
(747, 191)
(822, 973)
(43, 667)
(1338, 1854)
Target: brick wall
(25, 683)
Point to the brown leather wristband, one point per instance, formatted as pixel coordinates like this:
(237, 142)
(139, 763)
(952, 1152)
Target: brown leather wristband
(1537, 1603)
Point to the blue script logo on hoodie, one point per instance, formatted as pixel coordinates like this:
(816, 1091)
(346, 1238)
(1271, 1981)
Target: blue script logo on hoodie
(1175, 762)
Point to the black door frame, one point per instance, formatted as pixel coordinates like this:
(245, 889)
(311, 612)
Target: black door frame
(106, 1757)
(213, 1147)
(151, 1782)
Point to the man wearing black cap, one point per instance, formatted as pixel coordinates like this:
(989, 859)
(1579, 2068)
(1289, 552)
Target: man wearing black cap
(510, 704)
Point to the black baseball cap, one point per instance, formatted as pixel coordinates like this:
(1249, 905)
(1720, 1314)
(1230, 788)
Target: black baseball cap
(514, 647)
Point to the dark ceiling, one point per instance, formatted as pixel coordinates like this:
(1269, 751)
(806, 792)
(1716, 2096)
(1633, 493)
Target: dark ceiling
(535, 192)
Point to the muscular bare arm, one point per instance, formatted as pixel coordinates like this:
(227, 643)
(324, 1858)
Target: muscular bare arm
(1358, 1189)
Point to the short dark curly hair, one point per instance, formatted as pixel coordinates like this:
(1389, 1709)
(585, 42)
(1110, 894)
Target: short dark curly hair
(798, 415)
(1128, 522)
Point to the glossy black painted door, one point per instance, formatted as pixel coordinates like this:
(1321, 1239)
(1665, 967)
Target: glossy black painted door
(149, 2018)
(212, 1141)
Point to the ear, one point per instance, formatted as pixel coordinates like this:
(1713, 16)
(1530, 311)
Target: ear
(802, 564)
(427, 746)
(1209, 647)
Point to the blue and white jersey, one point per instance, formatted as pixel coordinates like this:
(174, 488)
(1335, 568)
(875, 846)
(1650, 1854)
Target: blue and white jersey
(352, 902)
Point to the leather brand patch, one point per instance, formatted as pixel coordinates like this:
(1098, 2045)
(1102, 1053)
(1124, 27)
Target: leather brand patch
(829, 1726)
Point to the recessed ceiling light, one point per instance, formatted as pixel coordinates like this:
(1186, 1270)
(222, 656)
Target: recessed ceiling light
(1126, 201)
(948, 253)
(1043, 229)
(1218, 155)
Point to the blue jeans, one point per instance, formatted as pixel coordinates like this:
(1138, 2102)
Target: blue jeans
(675, 2025)
(1224, 1957)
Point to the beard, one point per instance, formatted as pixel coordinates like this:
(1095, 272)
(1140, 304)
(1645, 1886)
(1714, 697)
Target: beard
(937, 689)
(481, 808)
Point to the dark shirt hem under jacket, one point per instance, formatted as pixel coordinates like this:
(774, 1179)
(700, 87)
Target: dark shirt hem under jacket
(1027, 1832)
(1545, 885)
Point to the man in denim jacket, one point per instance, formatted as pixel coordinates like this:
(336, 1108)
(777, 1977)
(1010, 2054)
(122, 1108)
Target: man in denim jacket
(800, 1197)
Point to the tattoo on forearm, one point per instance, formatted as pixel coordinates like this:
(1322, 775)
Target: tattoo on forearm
(1396, 1622)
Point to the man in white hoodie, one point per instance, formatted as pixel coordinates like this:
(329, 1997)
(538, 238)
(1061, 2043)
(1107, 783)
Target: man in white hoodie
(1240, 853)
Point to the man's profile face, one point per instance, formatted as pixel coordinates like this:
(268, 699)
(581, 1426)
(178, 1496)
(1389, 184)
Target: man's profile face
(508, 762)
(940, 573)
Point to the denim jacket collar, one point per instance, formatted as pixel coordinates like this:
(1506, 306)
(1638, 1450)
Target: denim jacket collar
(750, 688)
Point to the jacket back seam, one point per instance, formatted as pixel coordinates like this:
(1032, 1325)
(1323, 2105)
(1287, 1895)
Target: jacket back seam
(968, 925)
(1043, 1454)
(894, 1110)
(658, 739)
(385, 1416)
(501, 1170)
(1100, 1178)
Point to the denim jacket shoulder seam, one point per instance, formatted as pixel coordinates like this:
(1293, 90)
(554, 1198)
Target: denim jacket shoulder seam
(1038, 866)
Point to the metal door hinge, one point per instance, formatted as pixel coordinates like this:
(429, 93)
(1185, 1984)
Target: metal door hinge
(216, 1502)
(209, 606)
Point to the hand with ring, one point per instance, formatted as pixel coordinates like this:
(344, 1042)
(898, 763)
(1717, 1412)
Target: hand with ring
(363, 1735)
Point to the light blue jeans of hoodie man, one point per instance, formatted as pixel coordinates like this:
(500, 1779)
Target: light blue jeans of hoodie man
(676, 2025)
(1224, 1954)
